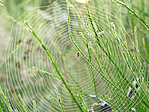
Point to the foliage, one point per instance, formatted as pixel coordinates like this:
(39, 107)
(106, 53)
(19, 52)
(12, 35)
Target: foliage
(44, 73)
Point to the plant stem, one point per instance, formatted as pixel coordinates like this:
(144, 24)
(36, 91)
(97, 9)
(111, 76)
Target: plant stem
(55, 66)
(6, 100)
(134, 13)
(108, 55)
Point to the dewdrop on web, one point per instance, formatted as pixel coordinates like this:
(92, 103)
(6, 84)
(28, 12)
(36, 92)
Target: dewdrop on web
(82, 1)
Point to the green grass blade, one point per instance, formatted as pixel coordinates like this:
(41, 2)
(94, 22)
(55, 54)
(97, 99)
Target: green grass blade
(2, 105)
(59, 98)
(6, 100)
(47, 73)
(16, 110)
(55, 108)
(83, 102)
(55, 66)
(133, 12)
(34, 105)
(24, 106)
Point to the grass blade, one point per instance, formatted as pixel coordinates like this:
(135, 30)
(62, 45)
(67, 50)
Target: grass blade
(6, 100)
(34, 105)
(133, 12)
(55, 66)
(25, 108)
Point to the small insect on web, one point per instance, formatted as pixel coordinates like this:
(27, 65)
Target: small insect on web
(78, 54)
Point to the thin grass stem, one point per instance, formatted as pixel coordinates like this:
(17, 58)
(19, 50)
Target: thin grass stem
(134, 13)
(55, 66)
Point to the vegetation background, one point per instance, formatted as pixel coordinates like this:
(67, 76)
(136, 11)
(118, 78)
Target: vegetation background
(12, 9)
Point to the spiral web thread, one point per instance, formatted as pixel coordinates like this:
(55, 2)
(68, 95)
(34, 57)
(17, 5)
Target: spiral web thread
(51, 26)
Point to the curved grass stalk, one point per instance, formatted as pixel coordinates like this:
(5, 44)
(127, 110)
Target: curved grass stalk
(60, 101)
(105, 72)
(99, 71)
(91, 64)
(134, 13)
(6, 100)
(52, 106)
(55, 66)
(107, 54)
(2, 107)
(75, 44)
(96, 36)
(24, 106)
(128, 53)
(34, 105)
(47, 73)
(89, 57)
(83, 102)
(55, 76)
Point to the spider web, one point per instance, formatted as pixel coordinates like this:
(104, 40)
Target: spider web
(123, 68)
